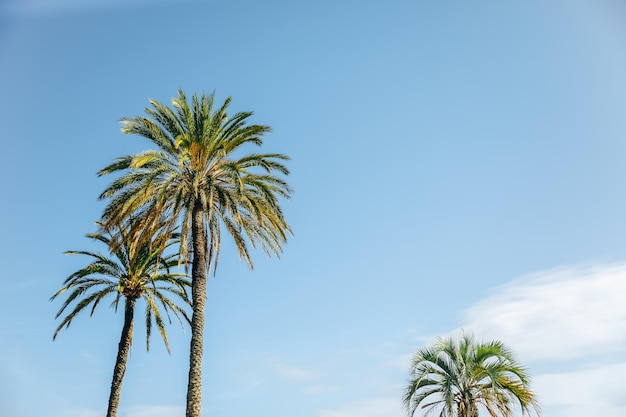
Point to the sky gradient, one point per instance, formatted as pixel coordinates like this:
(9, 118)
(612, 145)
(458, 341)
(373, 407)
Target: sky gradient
(457, 166)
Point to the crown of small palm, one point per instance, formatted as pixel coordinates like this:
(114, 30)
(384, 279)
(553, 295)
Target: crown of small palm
(458, 377)
(127, 273)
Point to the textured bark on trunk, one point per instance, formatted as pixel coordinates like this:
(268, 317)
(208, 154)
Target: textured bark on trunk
(122, 356)
(198, 295)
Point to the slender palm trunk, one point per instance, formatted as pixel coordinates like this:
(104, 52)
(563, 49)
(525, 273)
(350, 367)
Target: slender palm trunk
(122, 356)
(198, 295)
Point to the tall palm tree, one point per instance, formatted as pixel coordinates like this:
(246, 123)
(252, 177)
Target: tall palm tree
(131, 272)
(200, 177)
(457, 378)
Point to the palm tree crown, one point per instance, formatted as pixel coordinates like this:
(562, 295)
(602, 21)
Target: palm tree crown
(199, 178)
(131, 273)
(457, 378)
(197, 167)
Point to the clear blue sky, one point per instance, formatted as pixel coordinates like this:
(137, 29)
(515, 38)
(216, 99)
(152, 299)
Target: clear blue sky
(456, 165)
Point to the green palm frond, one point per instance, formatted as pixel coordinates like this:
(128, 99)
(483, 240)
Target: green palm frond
(456, 378)
(93, 298)
(137, 267)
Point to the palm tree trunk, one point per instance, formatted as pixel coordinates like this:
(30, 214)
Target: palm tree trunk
(198, 296)
(122, 356)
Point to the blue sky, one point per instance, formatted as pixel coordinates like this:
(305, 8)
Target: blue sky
(456, 165)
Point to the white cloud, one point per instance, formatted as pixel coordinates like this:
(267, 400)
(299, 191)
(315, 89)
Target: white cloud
(596, 409)
(581, 393)
(373, 407)
(569, 388)
(570, 324)
(561, 314)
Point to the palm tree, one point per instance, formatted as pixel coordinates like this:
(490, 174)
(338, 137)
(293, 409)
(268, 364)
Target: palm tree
(456, 378)
(200, 178)
(133, 272)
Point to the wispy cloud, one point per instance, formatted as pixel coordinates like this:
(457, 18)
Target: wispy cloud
(584, 392)
(562, 314)
(569, 388)
(569, 324)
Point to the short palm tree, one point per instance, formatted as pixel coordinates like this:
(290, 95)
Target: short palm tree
(457, 378)
(200, 177)
(132, 272)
